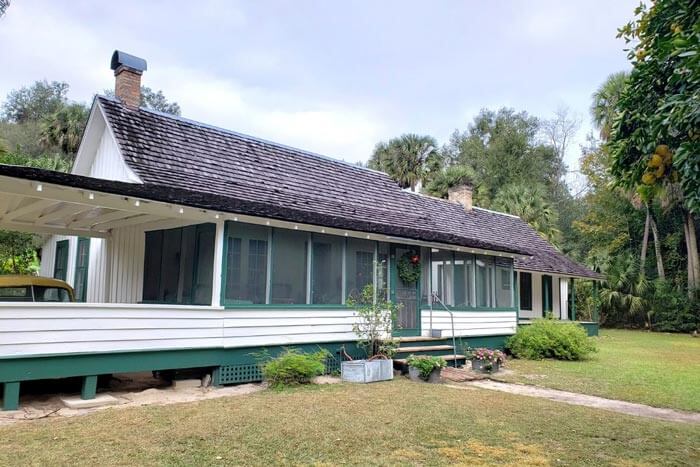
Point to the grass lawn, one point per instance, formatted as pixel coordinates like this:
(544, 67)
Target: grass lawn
(658, 369)
(397, 422)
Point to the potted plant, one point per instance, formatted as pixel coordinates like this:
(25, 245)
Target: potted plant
(373, 328)
(487, 360)
(425, 367)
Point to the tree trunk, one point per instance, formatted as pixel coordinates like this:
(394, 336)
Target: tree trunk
(657, 248)
(691, 243)
(645, 243)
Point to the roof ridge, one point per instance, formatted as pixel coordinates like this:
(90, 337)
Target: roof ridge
(197, 123)
(497, 212)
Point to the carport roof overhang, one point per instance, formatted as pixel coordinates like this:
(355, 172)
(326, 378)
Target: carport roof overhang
(47, 202)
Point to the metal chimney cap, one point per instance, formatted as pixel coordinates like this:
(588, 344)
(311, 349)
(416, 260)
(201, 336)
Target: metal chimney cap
(120, 58)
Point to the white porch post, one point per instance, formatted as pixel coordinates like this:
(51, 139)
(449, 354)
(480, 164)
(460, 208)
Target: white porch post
(218, 264)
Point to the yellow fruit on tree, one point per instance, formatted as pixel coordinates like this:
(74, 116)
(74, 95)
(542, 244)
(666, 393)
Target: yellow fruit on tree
(655, 161)
(662, 150)
(648, 178)
(660, 171)
(668, 158)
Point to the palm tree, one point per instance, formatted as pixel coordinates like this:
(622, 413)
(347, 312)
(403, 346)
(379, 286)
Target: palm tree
(624, 288)
(530, 204)
(65, 128)
(407, 159)
(604, 107)
(449, 177)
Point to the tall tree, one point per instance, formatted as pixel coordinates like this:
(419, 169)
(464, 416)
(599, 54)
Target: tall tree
(529, 202)
(35, 102)
(605, 102)
(655, 140)
(560, 130)
(408, 159)
(64, 128)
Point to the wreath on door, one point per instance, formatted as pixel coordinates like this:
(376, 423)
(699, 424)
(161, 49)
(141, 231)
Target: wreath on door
(408, 267)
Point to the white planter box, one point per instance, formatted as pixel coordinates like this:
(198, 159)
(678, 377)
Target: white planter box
(367, 371)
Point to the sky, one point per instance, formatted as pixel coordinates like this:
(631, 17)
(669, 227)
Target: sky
(330, 77)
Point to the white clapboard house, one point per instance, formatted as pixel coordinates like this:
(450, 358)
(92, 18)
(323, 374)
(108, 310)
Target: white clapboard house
(190, 246)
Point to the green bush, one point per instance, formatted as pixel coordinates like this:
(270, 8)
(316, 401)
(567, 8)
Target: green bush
(294, 367)
(547, 338)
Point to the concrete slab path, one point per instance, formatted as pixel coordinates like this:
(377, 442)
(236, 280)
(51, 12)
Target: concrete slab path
(573, 398)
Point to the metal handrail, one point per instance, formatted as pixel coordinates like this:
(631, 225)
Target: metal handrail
(452, 320)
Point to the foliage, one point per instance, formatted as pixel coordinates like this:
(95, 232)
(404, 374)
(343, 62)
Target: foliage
(546, 338)
(409, 159)
(4, 5)
(661, 102)
(294, 367)
(425, 364)
(528, 201)
(33, 103)
(18, 253)
(452, 176)
(409, 267)
(623, 293)
(672, 311)
(605, 102)
(64, 129)
(375, 323)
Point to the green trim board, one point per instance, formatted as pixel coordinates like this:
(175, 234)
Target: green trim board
(10, 395)
(60, 264)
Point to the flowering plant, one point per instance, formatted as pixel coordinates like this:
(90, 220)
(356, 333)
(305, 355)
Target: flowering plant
(490, 357)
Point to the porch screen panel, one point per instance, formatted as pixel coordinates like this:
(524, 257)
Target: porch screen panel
(382, 271)
(204, 264)
(484, 281)
(151, 267)
(170, 266)
(525, 291)
(289, 266)
(442, 275)
(327, 269)
(246, 264)
(60, 265)
(504, 283)
(359, 264)
(81, 269)
(464, 276)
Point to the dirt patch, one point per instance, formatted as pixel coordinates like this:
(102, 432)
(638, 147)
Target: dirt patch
(573, 398)
(129, 391)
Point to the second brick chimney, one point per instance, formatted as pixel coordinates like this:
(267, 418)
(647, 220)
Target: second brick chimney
(461, 194)
(127, 71)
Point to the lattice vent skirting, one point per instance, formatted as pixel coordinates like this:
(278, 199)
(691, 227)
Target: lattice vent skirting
(250, 372)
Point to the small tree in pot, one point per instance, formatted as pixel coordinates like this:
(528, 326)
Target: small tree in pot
(373, 328)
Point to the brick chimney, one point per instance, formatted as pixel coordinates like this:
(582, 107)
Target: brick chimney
(127, 71)
(461, 194)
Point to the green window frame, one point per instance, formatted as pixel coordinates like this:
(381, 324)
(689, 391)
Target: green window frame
(82, 263)
(547, 294)
(60, 264)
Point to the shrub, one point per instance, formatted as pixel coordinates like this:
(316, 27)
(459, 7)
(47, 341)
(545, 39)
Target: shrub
(293, 367)
(672, 311)
(546, 338)
(425, 364)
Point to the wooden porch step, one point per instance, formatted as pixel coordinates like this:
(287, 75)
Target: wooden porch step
(424, 348)
(419, 339)
(449, 358)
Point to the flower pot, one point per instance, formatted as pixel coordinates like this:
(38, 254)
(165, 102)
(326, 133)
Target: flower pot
(414, 375)
(367, 371)
(484, 366)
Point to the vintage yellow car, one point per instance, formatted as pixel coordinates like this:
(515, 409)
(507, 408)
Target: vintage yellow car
(34, 289)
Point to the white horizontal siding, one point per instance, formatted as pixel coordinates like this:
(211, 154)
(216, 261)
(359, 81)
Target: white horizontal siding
(470, 323)
(63, 328)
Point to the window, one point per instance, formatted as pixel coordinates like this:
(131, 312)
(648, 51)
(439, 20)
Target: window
(504, 283)
(50, 294)
(60, 265)
(464, 277)
(525, 291)
(442, 275)
(16, 294)
(359, 265)
(546, 294)
(289, 266)
(246, 264)
(81, 269)
(327, 269)
(484, 281)
(178, 265)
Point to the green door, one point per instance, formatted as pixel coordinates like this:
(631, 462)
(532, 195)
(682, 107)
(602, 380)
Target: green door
(406, 296)
(60, 265)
